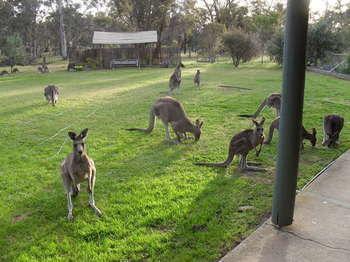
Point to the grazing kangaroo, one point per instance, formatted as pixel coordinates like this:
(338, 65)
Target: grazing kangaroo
(4, 72)
(43, 69)
(304, 133)
(332, 126)
(197, 78)
(76, 168)
(273, 100)
(169, 110)
(241, 144)
(51, 94)
(175, 78)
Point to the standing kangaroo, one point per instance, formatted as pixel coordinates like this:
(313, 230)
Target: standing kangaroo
(197, 78)
(273, 100)
(332, 126)
(175, 78)
(76, 168)
(241, 144)
(304, 133)
(51, 94)
(169, 110)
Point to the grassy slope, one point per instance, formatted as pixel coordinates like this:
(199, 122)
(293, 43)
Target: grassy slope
(157, 204)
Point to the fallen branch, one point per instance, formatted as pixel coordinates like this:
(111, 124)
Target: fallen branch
(236, 87)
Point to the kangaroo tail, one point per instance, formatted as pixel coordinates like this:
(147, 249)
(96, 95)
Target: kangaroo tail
(151, 124)
(224, 164)
(245, 115)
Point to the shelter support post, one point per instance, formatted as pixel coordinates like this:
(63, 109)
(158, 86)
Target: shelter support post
(291, 113)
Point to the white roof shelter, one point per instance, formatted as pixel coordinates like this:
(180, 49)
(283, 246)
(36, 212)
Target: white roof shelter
(119, 38)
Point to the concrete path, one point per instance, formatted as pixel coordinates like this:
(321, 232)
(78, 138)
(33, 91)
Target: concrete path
(321, 228)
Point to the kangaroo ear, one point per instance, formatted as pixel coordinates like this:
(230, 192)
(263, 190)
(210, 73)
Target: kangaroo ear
(72, 135)
(182, 65)
(83, 133)
(200, 124)
(197, 122)
(314, 132)
(262, 121)
(255, 123)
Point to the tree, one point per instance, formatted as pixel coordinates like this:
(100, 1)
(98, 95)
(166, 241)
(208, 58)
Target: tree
(62, 30)
(143, 15)
(14, 50)
(265, 22)
(210, 37)
(240, 46)
(321, 39)
(275, 47)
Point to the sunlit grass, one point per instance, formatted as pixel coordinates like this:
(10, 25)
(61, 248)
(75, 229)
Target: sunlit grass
(157, 205)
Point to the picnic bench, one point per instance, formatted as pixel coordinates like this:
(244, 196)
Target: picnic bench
(209, 59)
(124, 62)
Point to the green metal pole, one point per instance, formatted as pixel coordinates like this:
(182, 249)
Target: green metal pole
(291, 113)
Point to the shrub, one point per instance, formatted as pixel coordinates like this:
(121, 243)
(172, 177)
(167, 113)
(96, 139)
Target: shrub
(240, 46)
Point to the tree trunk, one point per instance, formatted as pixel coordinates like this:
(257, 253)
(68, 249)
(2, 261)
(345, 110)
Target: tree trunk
(62, 31)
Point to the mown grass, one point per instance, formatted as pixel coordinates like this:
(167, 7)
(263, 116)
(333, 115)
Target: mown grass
(157, 205)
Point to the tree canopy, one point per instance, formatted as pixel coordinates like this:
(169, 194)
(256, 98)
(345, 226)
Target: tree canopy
(191, 25)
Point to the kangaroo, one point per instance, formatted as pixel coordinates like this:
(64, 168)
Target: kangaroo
(273, 100)
(304, 133)
(175, 78)
(76, 168)
(43, 69)
(241, 144)
(182, 127)
(197, 78)
(4, 72)
(51, 94)
(332, 126)
(169, 110)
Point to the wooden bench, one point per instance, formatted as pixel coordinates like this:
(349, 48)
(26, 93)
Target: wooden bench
(124, 62)
(206, 59)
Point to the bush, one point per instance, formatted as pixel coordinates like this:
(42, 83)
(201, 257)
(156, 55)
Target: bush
(275, 47)
(14, 50)
(346, 68)
(240, 46)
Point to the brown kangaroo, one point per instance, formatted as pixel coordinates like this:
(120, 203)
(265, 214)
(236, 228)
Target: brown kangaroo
(175, 78)
(197, 78)
(304, 133)
(76, 168)
(51, 94)
(332, 126)
(241, 144)
(273, 100)
(169, 110)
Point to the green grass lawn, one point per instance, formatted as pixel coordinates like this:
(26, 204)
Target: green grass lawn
(157, 205)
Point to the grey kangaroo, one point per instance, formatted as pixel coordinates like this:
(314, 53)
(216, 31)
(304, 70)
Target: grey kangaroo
(169, 110)
(175, 78)
(332, 126)
(304, 133)
(273, 100)
(197, 78)
(241, 144)
(51, 94)
(76, 168)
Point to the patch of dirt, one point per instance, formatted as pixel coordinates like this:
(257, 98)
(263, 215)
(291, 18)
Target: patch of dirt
(199, 228)
(21, 217)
